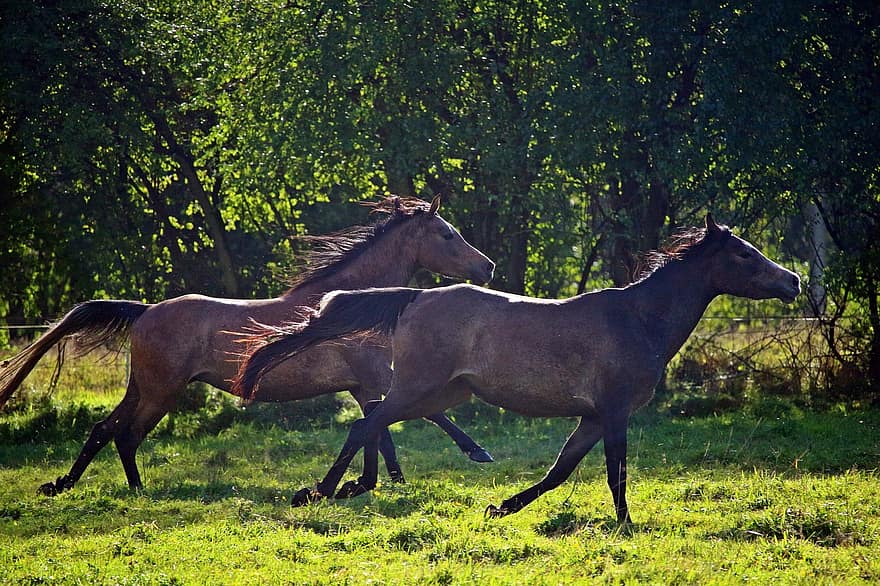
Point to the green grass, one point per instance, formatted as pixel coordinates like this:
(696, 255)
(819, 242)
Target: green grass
(790, 497)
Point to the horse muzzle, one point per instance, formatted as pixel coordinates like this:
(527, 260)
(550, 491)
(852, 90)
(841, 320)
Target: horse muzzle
(484, 273)
(790, 288)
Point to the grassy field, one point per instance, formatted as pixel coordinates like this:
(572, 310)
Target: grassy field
(785, 496)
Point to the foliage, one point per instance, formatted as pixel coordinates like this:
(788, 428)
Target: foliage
(150, 148)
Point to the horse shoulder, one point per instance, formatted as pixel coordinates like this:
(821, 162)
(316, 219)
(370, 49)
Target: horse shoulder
(440, 322)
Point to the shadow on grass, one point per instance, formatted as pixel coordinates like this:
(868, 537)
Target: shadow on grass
(820, 527)
(568, 522)
(207, 492)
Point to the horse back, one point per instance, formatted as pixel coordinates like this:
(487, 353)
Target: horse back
(193, 334)
(538, 357)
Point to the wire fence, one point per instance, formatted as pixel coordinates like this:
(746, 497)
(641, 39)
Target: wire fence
(801, 352)
(708, 318)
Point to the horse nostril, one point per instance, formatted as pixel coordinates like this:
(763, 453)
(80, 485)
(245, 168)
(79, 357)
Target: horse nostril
(796, 282)
(490, 267)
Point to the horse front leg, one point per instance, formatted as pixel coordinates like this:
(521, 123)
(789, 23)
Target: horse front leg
(578, 444)
(615, 463)
(361, 433)
(464, 442)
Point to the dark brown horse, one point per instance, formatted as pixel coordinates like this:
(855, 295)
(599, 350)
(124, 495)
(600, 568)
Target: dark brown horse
(190, 338)
(597, 356)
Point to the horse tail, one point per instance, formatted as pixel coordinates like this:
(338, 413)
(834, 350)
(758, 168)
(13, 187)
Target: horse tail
(341, 315)
(92, 323)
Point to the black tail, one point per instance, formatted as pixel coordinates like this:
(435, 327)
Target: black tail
(341, 314)
(93, 323)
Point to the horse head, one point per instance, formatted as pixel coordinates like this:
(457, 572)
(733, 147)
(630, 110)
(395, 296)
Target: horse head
(738, 268)
(442, 249)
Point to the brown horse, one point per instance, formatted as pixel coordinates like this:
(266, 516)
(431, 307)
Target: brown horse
(190, 338)
(597, 356)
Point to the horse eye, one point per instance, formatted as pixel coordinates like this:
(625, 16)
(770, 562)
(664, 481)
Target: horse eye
(746, 254)
(448, 236)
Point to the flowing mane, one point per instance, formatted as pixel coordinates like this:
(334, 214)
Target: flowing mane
(683, 244)
(330, 252)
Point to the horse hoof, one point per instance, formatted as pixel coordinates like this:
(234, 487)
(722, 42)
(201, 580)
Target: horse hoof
(61, 484)
(305, 496)
(494, 512)
(351, 489)
(398, 477)
(480, 455)
(48, 489)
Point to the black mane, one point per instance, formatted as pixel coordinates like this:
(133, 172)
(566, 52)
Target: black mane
(328, 253)
(683, 244)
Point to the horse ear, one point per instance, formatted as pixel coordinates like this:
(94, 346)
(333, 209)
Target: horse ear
(395, 204)
(711, 226)
(435, 205)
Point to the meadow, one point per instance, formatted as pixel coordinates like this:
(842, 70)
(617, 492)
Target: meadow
(768, 493)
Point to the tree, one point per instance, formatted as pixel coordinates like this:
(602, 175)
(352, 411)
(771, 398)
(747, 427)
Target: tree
(151, 148)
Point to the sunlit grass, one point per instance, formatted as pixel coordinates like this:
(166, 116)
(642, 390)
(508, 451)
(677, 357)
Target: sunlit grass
(792, 497)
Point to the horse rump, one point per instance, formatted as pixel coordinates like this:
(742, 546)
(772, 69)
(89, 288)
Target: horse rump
(341, 315)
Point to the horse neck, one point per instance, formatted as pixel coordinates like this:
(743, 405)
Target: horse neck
(389, 261)
(671, 302)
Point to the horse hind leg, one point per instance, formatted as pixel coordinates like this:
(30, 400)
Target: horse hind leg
(151, 409)
(99, 437)
(386, 445)
(365, 433)
(456, 392)
(369, 477)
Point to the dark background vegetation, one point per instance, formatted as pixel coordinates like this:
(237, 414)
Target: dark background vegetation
(150, 148)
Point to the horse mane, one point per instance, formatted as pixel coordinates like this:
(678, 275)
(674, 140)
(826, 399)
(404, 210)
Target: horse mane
(328, 253)
(685, 243)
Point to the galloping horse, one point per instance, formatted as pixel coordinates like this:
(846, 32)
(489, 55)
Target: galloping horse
(597, 356)
(190, 338)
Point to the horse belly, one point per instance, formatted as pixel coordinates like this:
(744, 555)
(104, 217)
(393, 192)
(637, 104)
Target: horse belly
(549, 396)
(534, 377)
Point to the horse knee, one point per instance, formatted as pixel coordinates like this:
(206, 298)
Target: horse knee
(360, 429)
(369, 406)
(102, 432)
(104, 429)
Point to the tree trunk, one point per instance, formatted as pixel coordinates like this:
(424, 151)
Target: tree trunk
(641, 214)
(820, 244)
(874, 319)
(588, 264)
(519, 251)
(214, 223)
